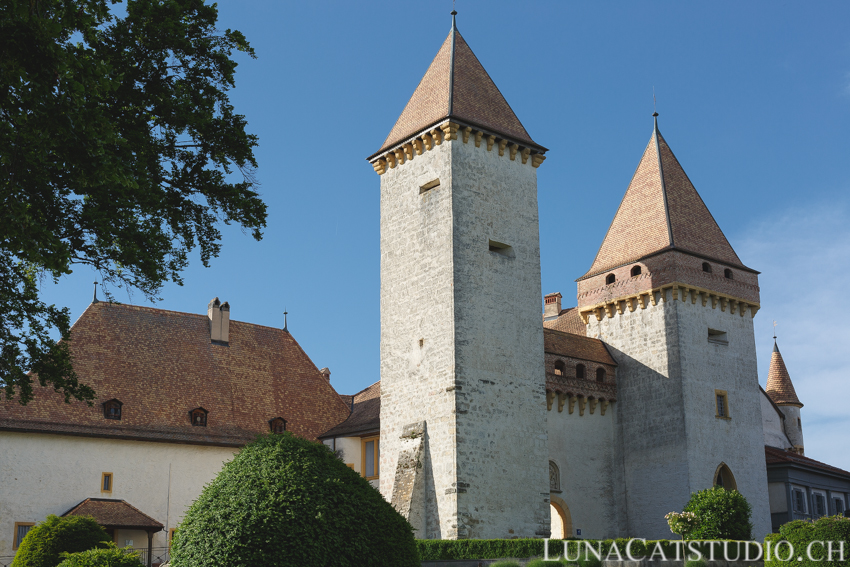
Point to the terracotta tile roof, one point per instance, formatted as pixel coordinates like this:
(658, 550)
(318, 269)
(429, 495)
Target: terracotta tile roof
(162, 364)
(568, 321)
(779, 386)
(365, 416)
(774, 456)
(456, 86)
(114, 514)
(661, 210)
(576, 346)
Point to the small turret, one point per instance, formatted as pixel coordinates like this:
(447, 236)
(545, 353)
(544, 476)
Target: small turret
(781, 391)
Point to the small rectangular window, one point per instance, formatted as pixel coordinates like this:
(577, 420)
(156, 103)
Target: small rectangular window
(371, 456)
(501, 248)
(799, 501)
(838, 504)
(21, 530)
(717, 337)
(722, 404)
(819, 504)
(106, 483)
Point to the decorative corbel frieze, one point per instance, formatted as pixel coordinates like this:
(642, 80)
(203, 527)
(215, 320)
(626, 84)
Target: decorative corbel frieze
(592, 404)
(478, 136)
(525, 153)
(582, 401)
(643, 298)
(632, 301)
(502, 144)
(490, 141)
(714, 300)
(723, 302)
(685, 293)
(562, 398)
(603, 406)
(466, 132)
(550, 398)
(585, 316)
(754, 309)
(514, 148)
(536, 160)
(742, 308)
(429, 141)
(408, 151)
(675, 292)
(391, 160)
(598, 312)
(380, 166)
(572, 405)
(621, 307)
(732, 306)
(609, 309)
(694, 296)
(450, 130)
(417, 145)
(399, 156)
(438, 136)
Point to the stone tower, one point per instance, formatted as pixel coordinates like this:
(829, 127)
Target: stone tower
(463, 410)
(781, 391)
(675, 305)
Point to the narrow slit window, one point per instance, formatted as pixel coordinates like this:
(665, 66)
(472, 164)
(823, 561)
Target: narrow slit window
(106, 483)
(371, 456)
(722, 404)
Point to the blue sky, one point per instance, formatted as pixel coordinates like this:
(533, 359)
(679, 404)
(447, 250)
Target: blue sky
(754, 99)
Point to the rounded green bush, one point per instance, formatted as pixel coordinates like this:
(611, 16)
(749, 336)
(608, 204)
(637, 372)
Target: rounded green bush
(45, 542)
(285, 501)
(109, 557)
(723, 514)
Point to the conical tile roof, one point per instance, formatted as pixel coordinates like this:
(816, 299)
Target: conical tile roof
(779, 386)
(457, 86)
(661, 210)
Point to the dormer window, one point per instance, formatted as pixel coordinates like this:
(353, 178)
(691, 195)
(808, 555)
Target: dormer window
(277, 425)
(560, 367)
(706, 267)
(728, 273)
(610, 278)
(198, 417)
(112, 409)
(600, 374)
(636, 270)
(580, 371)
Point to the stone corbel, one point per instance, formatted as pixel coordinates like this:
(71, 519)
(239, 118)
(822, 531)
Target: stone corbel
(572, 405)
(754, 309)
(525, 153)
(632, 301)
(438, 136)
(704, 296)
(582, 401)
(417, 145)
(723, 302)
(561, 399)
(598, 312)
(714, 299)
(391, 160)
(675, 292)
(502, 144)
(743, 308)
(620, 307)
(466, 132)
(642, 299)
(609, 309)
(592, 404)
(450, 129)
(550, 398)
(537, 159)
(478, 135)
(732, 306)
(399, 156)
(408, 150)
(694, 296)
(380, 166)
(490, 141)
(685, 293)
(429, 141)
(652, 298)
(585, 316)
(603, 406)
(514, 149)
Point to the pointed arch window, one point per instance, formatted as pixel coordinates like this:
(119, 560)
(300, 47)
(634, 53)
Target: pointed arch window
(554, 477)
(724, 478)
(580, 373)
(277, 425)
(112, 409)
(600, 374)
(198, 417)
(636, 271)
(610, 278)
(560, 368)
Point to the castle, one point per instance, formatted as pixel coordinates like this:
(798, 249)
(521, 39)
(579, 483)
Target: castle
(490, 419)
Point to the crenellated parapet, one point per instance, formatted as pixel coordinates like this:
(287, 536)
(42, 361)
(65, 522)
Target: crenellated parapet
(450, 130)
(672, 292)
(576, 393)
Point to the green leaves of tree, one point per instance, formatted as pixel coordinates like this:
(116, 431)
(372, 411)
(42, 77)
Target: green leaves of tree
(120, 150)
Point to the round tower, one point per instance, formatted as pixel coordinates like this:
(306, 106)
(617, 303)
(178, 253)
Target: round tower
(781, 391)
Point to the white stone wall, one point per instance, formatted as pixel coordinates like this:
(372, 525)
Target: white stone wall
(670, 438)
(583, 449)
(772, 424)
(50, 474)
(792, 429)
(461, 340)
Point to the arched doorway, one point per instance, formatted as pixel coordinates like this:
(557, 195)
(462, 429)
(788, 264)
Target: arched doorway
(724, 478)
(561, 523)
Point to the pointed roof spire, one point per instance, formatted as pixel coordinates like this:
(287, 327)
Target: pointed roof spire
(457, 86)
(661, 210)
(779, 386)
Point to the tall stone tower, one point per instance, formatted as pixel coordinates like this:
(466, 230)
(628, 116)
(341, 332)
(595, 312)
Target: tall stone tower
(463, 430)
(781, 391)
(673, 301)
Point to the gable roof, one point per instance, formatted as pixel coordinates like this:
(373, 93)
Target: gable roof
(162, 364)
(779, 387)
(568, 321)
(111, 513)
(576, 346)
(774, 456)
(661, 210)
(365, 414)
(456, 86)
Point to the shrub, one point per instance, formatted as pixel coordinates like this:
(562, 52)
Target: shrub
(543, 563)
(505, 564)
(112, 556)
(45, 542)
(286, 501)
(723, 514)
(800, 533)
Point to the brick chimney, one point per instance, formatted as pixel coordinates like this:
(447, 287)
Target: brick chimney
(219, 316)
(326, 373)
(551, 305)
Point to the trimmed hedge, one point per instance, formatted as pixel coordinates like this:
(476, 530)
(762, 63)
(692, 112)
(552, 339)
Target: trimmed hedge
(112, 556)
(285, 501)
(723, 514)
(800, 533)
(470, 549)
(45, 542)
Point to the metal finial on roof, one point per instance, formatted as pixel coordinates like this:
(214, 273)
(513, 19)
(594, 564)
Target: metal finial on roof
(94, 299)
(285, 326)
(775, 348)
(454, 22)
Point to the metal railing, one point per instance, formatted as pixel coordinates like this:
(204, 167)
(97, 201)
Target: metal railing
(159, 555)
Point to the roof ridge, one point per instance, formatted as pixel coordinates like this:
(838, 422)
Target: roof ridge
(655, 135)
